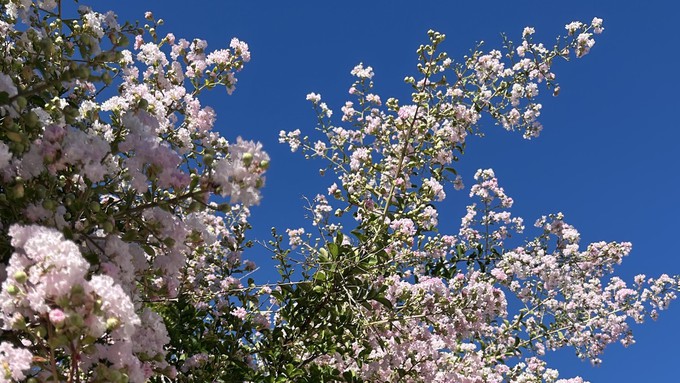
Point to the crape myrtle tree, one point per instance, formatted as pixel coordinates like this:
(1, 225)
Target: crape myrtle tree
(124, 219)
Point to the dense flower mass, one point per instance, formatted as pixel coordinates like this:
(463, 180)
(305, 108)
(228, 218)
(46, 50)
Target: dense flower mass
(106, 200)
(124, 219)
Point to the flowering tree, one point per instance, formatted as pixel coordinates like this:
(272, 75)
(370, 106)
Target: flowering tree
(124, 220)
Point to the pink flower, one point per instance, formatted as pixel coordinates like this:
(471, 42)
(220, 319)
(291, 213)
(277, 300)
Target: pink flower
(240, 313)
(14, 361)
(57, 317)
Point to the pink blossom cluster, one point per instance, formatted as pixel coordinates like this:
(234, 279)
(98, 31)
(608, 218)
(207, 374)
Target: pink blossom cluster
(496, 223)
(444, 315)
(47, 286)
(127, 179)
(430, 337)
(128, 217)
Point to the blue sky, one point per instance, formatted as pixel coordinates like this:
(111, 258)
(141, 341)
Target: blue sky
(606, 157)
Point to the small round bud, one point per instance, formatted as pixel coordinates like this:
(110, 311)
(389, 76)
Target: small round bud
(57, 317)
(208, 159)
(12, 290)
(76, 320)
(247, 158)
(95, 207)
(20, 276)
(114, 375)
(112, 323)
(49, 204)
(18, 191)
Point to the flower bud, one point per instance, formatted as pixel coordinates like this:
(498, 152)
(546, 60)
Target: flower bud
(57, 317)
(49, 204)
(20, 276)
(12, 290)
(112, 323)
(69, 199)
(98, 305)
(18, 191)
(208, 159)
(114, 375)
(247, 159)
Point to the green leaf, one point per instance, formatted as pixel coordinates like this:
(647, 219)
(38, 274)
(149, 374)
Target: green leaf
(384, 301)
(334, 249)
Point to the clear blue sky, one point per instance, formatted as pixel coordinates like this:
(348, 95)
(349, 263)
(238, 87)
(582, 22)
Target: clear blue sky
(607, 157)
